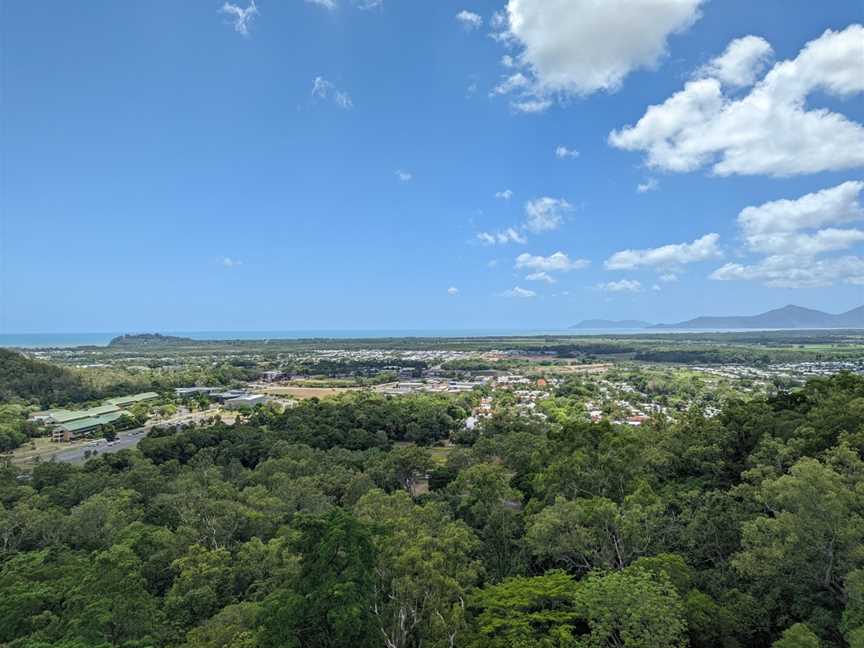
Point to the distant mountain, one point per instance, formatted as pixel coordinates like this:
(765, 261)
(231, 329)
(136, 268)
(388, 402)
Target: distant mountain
(611, 324)
(788, 317)
(147, 340)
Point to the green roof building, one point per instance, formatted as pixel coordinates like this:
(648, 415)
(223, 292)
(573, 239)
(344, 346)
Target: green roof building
(124, 401)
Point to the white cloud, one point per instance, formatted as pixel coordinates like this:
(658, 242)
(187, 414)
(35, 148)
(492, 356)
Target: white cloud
(517, 292)
(558, 262)
(563, 153)
(668, 277)
(324, 90)
(541, 215)
(469, 20)
(242, 17)
(404, 176)
(651, 184)
(452, 291)
(792, 234)
(509, 235)
(541, 276)
(367, 4)
(769, 130)
(330, 5)
(625, 285)
(228, 262)
(667, 256)
(742, 62)
(545, 214)
(833, 206)
(531, 106)
(578, 47)
(782, 271)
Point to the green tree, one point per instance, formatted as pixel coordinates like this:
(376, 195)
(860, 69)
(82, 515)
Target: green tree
(332, 601)
(111, 603)
(541, 612)
(484, 499)
(426, 565)
(798, 636)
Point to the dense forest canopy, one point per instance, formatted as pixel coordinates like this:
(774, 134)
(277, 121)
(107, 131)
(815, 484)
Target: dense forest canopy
(306, 528)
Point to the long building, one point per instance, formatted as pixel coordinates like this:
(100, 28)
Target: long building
(67, 425)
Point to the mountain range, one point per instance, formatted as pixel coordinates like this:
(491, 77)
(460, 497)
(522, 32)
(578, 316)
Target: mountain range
(788, 317)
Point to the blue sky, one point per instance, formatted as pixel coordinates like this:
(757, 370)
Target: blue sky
(400, 164)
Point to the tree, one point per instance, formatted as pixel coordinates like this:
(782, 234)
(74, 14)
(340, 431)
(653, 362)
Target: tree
(541, 612)
(333, 597)
(232, 627)
(201, 588)
(631, 609)
(585, 534)
(405, 466)
(112, 603)
(426, 565)
(484, 499)
(814, 533)
(627, 609)
(797, 636)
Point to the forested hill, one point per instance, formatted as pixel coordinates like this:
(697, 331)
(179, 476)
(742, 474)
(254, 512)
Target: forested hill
(138, 340)
(307, 528)
(28, 380)
(788, 317)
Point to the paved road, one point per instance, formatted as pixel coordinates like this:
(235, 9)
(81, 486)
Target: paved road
(125, 441)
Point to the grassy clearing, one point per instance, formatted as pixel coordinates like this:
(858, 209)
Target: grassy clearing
(307, 392)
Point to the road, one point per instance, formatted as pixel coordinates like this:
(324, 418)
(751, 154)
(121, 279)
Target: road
(125, 440)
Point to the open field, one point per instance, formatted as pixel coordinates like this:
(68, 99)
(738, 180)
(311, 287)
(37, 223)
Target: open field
(307, 392)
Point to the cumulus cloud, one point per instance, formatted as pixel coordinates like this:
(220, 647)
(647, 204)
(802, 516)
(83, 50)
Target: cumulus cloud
(519, 293)
(541, 276)
(404, 176)
(326, 4)
(667, 256)
(782, 271)
(625, 285)
(651, 184)
(509, 235)
(541, 215)
(545, 214)
(452, 291)
(770, 129)
(322, 89)
(742, 62)
(469, 20)
(792, 234)
(228, 262)
(558, 262)
(577, 47)
(563, 153)
(242, 18)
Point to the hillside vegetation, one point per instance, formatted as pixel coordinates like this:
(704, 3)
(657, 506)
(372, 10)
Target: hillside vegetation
(307, 529)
